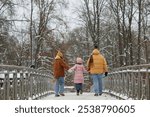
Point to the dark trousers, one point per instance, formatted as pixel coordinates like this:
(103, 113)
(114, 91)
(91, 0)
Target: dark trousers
(78, 87)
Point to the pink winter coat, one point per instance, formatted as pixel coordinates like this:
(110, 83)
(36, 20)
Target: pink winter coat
(78, 70)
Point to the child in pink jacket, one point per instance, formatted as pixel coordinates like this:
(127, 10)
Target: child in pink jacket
(78, 69)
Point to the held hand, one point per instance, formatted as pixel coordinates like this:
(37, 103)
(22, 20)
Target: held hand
(70, 71)
(106, 73)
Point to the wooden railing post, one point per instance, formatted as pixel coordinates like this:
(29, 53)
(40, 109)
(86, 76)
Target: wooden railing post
(26, 85)
(31, 85)
(147, 86)
(7, 86)
(131, 81)
(1, 88)
(22, 86)
(23, 83)
(15, 85)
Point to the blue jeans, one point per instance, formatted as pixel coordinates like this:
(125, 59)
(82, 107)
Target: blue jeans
(78, 86)
(97, 83)
(59, 85)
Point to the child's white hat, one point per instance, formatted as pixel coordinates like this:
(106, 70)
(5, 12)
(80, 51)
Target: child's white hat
(79, 60)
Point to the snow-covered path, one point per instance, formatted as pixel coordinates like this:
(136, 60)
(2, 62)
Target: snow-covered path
(84, 96)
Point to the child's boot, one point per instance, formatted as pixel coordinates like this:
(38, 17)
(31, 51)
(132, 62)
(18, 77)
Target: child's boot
(81, 91)
(77, 92)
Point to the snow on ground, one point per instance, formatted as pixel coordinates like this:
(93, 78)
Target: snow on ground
(84, 96)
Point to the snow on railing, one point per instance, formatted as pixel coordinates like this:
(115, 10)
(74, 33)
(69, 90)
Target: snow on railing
(22, 83)
(130, 82)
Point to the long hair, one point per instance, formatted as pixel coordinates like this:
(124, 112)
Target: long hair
(91, 59)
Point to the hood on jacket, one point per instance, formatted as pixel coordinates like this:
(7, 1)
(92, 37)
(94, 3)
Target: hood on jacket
(95, 52)
(59, 55)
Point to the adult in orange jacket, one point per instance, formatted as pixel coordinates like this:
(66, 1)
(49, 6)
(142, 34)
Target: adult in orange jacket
(59, 72)
(97, 67)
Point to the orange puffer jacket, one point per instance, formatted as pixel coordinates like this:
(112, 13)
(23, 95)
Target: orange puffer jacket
(59, 67)
(98, 65)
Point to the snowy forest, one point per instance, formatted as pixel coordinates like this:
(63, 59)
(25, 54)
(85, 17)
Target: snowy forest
(31, 31)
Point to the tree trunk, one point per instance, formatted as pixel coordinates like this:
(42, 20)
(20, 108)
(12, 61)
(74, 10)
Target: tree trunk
(139, 33)
(130, 33)
(31, 27)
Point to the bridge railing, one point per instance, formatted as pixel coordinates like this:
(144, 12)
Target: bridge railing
(130, 82)
(21, 83)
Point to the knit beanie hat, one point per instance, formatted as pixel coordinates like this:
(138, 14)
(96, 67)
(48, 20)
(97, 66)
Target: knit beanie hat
(79, 60)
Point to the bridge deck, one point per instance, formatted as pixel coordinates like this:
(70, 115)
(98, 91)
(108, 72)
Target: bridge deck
(84, 96)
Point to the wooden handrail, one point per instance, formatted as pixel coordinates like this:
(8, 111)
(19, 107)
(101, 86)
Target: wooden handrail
(129, 82)
(22, 83)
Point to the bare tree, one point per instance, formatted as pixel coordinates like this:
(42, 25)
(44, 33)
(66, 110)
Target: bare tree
(116, 9)
(92, 14)
(145, 23)
(31, 29)
(41, 27)
(139, 31)
(130, 19)
(6, 7)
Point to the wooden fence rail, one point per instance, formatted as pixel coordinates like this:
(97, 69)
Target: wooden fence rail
(131, 82)
(21, 83)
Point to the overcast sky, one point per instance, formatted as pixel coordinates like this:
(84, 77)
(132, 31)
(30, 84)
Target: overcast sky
(72, 14)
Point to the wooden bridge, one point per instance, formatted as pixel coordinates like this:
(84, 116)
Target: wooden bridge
(21, 83)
